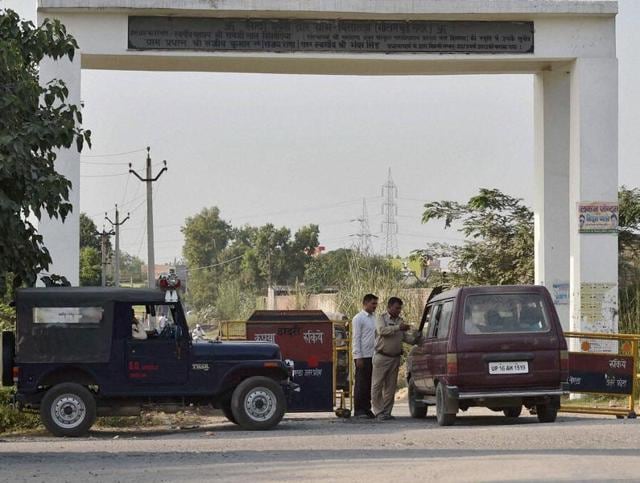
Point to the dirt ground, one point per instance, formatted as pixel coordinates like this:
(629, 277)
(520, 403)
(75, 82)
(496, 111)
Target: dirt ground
(482, 446)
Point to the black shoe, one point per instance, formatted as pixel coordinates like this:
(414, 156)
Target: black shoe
(385, 417)
(370, 415)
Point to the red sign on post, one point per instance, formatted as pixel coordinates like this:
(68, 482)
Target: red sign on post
(600, 373)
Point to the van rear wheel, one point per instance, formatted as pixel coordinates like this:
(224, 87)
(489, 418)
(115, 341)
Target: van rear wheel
(418, 410)
(68, 409)
(546, 413)
(443, 418)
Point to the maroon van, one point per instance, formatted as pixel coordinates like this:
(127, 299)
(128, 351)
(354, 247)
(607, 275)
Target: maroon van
(498, 347)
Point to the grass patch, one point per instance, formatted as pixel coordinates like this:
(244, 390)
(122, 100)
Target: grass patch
(12, 421)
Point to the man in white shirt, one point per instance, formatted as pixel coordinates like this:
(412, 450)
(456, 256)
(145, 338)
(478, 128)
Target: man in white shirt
(363, 339)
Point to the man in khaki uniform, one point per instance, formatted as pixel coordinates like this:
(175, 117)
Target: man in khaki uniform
(391, 332)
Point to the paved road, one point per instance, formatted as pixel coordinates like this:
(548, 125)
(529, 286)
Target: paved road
(480, 447)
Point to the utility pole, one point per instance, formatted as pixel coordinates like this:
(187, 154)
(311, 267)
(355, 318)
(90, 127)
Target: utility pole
(117, 224)
(389, 212)
(104, 236)
(151, 259)
(363, 237)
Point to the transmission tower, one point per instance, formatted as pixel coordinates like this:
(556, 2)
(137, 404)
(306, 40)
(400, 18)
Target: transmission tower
(362, 241)
(389, 211)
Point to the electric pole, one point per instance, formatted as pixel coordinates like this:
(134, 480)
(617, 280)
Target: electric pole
(104, 236)
(117, 224)
(151, 259)
(363, 237)
(389, 212)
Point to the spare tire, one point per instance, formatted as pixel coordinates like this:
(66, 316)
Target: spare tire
(7, 357)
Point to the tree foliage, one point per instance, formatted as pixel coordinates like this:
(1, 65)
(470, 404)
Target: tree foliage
(90, 267)
(36, 121)
(629, 230)
(89, 236)
(132, 268)
(500, 229)
(220, 256)
(327, 270)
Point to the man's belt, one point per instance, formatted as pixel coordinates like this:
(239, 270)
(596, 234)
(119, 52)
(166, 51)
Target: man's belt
(388, 355)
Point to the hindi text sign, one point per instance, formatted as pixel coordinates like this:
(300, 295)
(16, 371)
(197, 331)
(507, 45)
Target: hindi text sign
(306, 35)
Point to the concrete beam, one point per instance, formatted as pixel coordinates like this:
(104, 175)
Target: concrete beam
(385, 7)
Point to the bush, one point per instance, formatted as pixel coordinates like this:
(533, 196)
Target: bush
(7, 317)
(12, 420)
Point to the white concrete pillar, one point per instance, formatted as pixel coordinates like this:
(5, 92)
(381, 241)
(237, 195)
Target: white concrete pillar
(63, 239)
(551, 202)
(594, 177)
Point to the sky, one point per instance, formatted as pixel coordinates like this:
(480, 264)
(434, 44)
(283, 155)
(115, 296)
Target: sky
(293, 150)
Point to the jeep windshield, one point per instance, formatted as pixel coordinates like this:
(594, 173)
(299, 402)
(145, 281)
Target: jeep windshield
(504, 313)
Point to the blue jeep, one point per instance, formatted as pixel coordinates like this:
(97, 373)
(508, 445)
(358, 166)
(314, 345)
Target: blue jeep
(74, 357)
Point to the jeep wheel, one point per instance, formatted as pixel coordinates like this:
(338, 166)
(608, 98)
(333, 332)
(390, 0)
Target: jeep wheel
(546, 413)
(68, 409)
(228, 413)
(443, 418)
(258, 403)
(512, 413)
(417, 409)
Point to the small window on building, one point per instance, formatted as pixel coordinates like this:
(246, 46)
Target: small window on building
(67, 315)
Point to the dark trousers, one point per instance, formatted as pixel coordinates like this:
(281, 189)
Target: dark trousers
(362, 390)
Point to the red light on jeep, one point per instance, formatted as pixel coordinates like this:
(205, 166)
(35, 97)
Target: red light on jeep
(452, 364)
(271, 364)
(16, 373)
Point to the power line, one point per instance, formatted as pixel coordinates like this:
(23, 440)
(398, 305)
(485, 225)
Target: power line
(216, 264)
(112, 155)
(102, 175)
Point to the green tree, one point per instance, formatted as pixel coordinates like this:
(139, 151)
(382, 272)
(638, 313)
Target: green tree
(131, 268)
(90, 267)
(629, 254)
(205, 236)
(89, 236)
(500, 227)
(36, 121)
(327, 270)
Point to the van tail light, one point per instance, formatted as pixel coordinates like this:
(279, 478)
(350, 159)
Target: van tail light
(564, 360)
(16, 372)
(452, 364)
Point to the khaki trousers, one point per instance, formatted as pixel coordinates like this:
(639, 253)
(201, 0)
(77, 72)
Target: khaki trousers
(384, 382)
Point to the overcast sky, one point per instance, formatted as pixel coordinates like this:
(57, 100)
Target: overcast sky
(293, 150)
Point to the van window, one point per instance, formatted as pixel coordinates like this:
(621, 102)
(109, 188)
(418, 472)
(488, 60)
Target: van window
(433, 320)
(504, 313)
(445, 320)
(427, 321)
(440, 321)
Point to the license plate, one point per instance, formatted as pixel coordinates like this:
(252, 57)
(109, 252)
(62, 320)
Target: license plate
(519, 367)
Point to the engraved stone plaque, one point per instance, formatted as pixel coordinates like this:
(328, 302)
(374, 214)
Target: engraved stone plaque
(337, 36)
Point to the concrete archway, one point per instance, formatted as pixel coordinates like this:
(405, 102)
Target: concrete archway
(569, 45)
